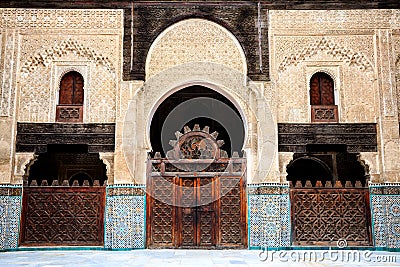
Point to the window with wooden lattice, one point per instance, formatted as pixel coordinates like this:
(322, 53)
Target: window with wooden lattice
(322, 98)
(71, 97)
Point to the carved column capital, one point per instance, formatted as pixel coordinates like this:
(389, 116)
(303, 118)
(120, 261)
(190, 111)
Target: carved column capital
(284, 159)
(23, 162)
(370, 161)
(108, 160)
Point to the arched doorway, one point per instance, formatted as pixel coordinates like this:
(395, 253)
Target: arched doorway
(64, 198)
(329, 198)
(308, 169)
(197, 105)
(195, 178)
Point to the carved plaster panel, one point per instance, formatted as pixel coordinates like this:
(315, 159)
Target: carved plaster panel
(195, 40)
(51, 42)
(355, 90)
(7, 71)
(23, 161)
(44, 57)
(386, 72)
(391, 151)
(339, 49)
(40, 75)
(61, 19)
(324, 20)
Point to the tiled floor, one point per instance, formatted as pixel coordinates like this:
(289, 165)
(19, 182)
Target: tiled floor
(200, 258)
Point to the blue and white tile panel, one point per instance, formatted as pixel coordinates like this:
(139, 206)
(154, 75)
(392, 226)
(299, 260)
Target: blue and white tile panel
(269, 216)
(385, 211)
(10, 214)
(125, 218)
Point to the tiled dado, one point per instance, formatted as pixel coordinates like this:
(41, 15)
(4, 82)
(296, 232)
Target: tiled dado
(269, 215)
(10, 211)
(385, 209)
(125, 217)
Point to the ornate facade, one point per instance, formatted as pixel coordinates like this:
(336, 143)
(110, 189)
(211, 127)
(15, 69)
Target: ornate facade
(206, 124)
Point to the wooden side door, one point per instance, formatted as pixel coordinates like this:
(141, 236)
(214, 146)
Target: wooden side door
(323, 216)
(63, 216)
(161, 216)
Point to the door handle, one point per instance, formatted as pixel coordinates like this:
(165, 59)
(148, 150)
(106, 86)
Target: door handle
(187, 210)
(205, 209)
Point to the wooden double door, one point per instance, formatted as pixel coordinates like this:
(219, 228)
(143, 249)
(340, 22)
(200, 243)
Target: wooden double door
(196, 212)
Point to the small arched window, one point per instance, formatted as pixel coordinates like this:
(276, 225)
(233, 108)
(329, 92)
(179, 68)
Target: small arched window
(322, 98)
(71, 96)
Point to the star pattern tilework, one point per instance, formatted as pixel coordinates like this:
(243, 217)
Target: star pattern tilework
(10, 211)
(385, 209)
(125, 222)
(269, 220)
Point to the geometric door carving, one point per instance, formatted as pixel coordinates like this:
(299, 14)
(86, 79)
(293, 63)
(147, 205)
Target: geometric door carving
(63, 216)
(183, 214)
(322, 216)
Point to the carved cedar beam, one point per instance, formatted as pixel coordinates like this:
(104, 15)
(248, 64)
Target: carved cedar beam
(357, 137)
(34, 137)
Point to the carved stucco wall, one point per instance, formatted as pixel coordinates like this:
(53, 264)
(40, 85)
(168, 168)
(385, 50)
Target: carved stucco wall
(356, 48)
(194, 51)
(194, 40)
(7, 101)
(53, 42)
(37, 47)
(298, 57)
(133, 132)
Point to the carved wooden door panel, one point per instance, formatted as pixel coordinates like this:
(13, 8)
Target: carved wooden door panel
(231, 211)
(161, 212)
(63, 216)
(324, 216)
(196, 213)
(71, 89)
(202, 212)
(187, 213)
(321, 90)
(206, 212)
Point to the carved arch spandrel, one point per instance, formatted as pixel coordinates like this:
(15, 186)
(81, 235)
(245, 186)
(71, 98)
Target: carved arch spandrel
(346, 55)
(23, 162)
(195, 40)
(44, 57)
(108, 160)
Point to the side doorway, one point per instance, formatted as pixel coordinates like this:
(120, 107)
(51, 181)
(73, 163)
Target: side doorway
(329, 200)
(64, 199)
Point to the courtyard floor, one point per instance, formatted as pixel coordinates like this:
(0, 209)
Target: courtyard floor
(199, 258)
